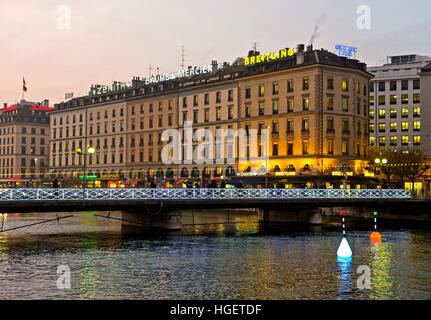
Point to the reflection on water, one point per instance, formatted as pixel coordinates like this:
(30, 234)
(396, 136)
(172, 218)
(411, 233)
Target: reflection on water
(235, 260)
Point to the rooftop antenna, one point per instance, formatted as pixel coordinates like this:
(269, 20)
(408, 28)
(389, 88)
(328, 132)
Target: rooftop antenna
(150, 68)
(182, 56)
(157, 70)
(254, 46)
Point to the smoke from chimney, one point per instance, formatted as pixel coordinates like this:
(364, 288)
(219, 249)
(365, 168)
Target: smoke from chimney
(322, 19)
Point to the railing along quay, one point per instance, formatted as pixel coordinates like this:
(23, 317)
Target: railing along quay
(63, 194)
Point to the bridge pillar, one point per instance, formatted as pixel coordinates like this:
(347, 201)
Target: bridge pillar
(291, 215)
(143, 220)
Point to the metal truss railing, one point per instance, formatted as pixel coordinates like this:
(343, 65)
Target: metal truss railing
(101, 194)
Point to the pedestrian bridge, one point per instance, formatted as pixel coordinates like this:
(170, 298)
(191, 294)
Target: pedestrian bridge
(104, 194)
(164, 208)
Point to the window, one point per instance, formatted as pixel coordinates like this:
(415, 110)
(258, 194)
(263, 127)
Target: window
(405, 85)
(289, 148)
(371, 100)
(330, 83)
(195, 100)
(416, 84)
(218, 113)
(305, 83)
(382, 100)
(393, 85)
(184, 103)
(305, 125)
(345, 104)
(345, 148)
(345, 85)
(416, 98)
(275, 149)
(330, 147)
(230, 95)
(207, 115)
(393, 99)
(289, 127)
(289, 85)
(393, 127)
(275, 88)
(416, 112)
(345, 126)
(404, 126)
(230, 112)
(382, 113)
(218, 97)
(382, 86)
(404, 98)
(330, 102)
(393, 140)
(305, 146)
(405, 140)
(195, 116)
(404, 112)
(382, 127)
(372, 87)
(275, 127)
(261, 92)
(305, 103)
(416, 125)
(275, 107)
(416, 140)
(290, 105)
(247, 93)
(330, 124)
(382, 141)
(247, 111)
(372, 141)
(261, 109)
(371, 127)
(393, 113)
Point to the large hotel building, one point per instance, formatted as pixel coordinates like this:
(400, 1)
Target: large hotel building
(314, 103)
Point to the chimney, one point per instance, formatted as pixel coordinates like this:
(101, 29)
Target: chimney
(215, 65)
(300, 54)
(310, 48)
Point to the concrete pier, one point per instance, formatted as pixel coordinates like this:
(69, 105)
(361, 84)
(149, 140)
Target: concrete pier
(311, 216)
(164, 220)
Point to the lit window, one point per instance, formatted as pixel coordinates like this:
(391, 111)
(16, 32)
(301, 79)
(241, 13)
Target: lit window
(405, 126)
(393, 140)
(416, 125)
(393, 126)
(345, 85)
(417, 140)
(382, 113)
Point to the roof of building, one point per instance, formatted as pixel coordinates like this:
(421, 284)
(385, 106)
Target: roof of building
(226, 73)
(27, 112)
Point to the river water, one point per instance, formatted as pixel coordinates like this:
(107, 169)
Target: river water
(239, 260)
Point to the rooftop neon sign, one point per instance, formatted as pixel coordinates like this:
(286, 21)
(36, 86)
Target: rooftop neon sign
(283, 53)
(345, 50)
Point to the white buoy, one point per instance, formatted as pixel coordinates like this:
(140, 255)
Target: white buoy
(344, 250)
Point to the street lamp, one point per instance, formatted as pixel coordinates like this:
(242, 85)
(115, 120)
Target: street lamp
(379, 163)
(90, 151)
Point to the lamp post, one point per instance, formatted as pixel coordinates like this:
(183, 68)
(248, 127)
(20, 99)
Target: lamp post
(267, 157)
(90, 150)
(379, 163)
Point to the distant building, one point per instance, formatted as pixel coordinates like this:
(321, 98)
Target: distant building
(24, 143)
(397, 103)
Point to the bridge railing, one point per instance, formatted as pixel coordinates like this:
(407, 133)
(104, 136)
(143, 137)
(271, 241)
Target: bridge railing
(57, 194)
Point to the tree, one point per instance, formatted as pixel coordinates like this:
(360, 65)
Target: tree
(412, 165)
(391, 155)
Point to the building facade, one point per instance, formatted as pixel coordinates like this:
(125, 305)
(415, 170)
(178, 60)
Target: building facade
(24, 143)
(396, 104)
(313, 102)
